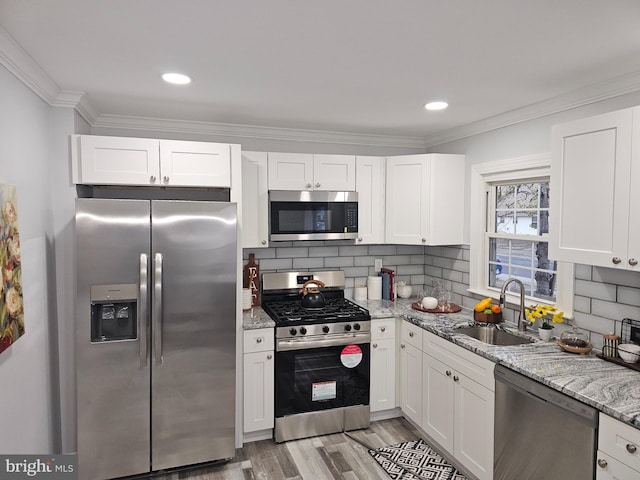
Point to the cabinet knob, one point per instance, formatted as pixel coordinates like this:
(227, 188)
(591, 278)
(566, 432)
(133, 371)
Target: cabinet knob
(259, 340)
(455, 378)
(308, 185)
(165, 179)
(152, 179)
(424, 240)
(631, 448)
(359, 239)
(602, 463)
(411, 334)
(402, 345)
(269, 357)
(448, 372)
(317, 185)
(383, 329)
(374, 345)
(633, 262)
(263, 242)
(616, 260)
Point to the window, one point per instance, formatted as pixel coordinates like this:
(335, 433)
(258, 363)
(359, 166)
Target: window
(509, 233)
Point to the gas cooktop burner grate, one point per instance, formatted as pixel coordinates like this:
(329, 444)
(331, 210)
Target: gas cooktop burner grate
(290, 312)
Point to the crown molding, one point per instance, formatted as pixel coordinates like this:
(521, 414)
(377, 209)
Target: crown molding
(255, 131)
(577, 98)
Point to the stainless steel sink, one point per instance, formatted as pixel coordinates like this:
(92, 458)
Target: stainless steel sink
(493, 336)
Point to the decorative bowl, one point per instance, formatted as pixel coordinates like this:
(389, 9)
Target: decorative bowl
(629, 352)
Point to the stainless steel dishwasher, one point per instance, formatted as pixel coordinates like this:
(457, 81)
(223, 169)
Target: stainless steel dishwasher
(540, 433)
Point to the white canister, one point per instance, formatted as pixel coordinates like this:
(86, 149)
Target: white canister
(374, 287)
(247, 299)
(360, 292)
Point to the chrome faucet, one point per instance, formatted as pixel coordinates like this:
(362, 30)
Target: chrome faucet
(522, 326)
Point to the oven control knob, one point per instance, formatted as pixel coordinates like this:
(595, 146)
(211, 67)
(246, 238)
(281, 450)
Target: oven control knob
(325, 329)
(356, 326)
(293, 331)
(303, 331)
(347, 328)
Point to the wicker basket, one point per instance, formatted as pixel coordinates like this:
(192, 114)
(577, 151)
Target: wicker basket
(487, 317)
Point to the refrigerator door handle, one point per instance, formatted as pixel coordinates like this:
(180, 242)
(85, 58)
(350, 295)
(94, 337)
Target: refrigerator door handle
(143, 313)
(157, 309)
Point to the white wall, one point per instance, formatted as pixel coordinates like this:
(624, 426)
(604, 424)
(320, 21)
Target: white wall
(28, 367)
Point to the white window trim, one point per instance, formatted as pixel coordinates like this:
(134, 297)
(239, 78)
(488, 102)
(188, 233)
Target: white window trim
(482, 174)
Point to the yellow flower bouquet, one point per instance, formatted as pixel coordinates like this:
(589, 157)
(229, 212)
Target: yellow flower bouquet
(546, 313)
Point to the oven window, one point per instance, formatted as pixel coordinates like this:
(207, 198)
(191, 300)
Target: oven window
(316, 379)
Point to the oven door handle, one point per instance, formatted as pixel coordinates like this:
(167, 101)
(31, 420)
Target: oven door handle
(304, 343)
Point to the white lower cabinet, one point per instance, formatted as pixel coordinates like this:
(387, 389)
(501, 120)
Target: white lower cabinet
(411, 372)
(383, 364)
(258, 380)
(618, 456)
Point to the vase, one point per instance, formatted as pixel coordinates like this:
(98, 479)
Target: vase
(545, 334)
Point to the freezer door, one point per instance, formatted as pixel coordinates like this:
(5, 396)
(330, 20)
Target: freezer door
(113, 375)
(194, 262)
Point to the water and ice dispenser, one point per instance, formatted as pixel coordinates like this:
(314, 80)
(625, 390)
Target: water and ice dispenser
(114, 312)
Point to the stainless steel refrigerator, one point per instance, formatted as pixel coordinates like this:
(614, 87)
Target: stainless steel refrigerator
(155, 334)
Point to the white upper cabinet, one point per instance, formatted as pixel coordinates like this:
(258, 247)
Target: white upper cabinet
(102, 160)
(300, 171)
(425, 199)
(370, 172)
(255, 201)
(595, 200)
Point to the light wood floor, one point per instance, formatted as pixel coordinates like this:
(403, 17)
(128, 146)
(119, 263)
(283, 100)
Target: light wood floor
(327, 457)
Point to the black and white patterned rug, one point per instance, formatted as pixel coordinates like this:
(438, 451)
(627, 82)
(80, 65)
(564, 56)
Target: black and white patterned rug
(415, 460)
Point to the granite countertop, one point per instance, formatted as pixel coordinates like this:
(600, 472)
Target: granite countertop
(611, 388)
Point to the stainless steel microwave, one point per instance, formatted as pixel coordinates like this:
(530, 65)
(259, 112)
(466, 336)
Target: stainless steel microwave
(303, 215)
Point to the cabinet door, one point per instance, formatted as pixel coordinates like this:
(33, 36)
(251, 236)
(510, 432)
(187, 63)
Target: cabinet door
(290, 171)
(446, 199)
(258, 391)
(438, 401)
(608, 468)
(406, 194)
(633, 245)
(473, 426)
(383, 374)
(334, 172)
(199, 164)
(116, 161)
(370, 186)
(411, 382)
(590, 171)
(255, 201)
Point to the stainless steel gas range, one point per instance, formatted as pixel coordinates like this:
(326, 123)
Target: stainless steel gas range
(322, 355)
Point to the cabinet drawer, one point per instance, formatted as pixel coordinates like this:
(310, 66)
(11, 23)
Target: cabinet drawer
(619, 440)
(412, 334)
(260, 340)
(608, 468)
(383, 328)
(477, 368)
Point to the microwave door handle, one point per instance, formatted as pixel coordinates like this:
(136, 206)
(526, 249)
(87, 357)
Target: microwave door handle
(143, 310)
(157, 309)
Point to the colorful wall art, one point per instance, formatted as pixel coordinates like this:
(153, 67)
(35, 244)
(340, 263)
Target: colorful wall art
(11, 305)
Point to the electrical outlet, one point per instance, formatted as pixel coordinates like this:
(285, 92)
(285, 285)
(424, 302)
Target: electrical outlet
(378, 264)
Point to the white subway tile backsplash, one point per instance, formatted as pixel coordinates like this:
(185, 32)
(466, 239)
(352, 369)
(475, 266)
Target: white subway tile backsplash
(583, 272)
(582, 304)
(614, 310)
(382, 250)
(276, 264)
(338, 262)
(292, 252)
(409, 269)
(364, 261)
(410, 250)
(616, 277)
(597, 290)
(324, 251)
(305, 263)
(630, 296)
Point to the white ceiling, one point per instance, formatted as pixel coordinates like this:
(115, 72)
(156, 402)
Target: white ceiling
(349, 66)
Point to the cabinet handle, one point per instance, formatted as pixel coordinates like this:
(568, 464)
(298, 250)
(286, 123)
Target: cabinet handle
(631, 448)
(152, 179)
(402, 345)
(455, 378)
(602, 463)
(616, 260)
(263, 242)
(359, 239)
(448, 372)
(383, 329)
(269, 357)
(633, 262)
(308, 185)
(317, 185)
(424, 240)
(375, 345)
(411, 334)
(259, 340)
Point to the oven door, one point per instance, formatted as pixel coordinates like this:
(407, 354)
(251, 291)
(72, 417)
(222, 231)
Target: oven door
(321, 378)
(312, 215)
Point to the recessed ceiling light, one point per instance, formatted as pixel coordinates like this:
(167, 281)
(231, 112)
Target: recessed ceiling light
(436, 105)
(176, 78)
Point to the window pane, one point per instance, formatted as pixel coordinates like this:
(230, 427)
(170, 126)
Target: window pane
(505, 222)
(505, 196)
(527, 195)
